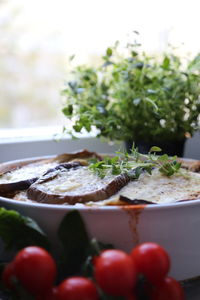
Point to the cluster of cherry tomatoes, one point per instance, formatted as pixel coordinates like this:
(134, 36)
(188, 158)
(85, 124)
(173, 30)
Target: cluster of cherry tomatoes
(115, 273)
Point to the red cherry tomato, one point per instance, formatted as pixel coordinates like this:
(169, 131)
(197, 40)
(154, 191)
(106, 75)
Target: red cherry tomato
(76, 288)
(115, 272)
(7, 275)
(51, 294)
(35, 269)
(168, 289)
(152, 261)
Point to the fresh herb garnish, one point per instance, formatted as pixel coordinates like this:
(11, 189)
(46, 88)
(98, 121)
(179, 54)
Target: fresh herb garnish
(134, 164)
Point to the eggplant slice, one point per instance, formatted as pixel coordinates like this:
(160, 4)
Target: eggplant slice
(191, 165)
(20, 176)
(74, 183)
(130, 201)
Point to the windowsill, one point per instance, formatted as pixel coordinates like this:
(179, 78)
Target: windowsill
(37, 134)
(44, 141)
(41, 141)
(27, 134)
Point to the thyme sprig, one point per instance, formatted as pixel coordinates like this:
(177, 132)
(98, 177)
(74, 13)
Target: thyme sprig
(135, 163)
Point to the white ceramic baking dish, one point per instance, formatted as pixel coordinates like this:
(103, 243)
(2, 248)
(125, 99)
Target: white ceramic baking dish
(175, 226)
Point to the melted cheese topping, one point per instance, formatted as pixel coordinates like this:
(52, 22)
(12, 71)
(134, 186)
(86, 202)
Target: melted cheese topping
(75, 181)
(26, 172)
(158, 188)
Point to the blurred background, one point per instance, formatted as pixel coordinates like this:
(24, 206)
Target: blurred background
(37, 37)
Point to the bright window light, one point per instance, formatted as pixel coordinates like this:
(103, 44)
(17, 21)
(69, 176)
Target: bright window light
(38, 36)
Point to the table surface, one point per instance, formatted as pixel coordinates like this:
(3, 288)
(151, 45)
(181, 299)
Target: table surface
(192, 289)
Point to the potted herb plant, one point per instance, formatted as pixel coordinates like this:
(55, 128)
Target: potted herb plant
(136, 97)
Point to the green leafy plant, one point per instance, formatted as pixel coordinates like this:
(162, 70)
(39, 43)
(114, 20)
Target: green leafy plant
(136, 96)
(17, 231)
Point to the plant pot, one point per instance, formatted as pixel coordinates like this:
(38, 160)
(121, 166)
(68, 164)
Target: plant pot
(170, 148)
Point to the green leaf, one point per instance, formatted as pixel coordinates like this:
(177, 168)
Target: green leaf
(155, 149)
(75, 241)
(166, 63)
(18, 231)
(135, 174)
(167, 169)
(77, 127)
(134, 53)
(68, 110)
(177, 165)
(164, 157)
(152, 103)
(194, 64)
(109, 52)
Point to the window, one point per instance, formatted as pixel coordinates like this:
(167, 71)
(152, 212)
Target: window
(37, 38)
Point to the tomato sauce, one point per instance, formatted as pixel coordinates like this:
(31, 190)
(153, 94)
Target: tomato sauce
(134, 212)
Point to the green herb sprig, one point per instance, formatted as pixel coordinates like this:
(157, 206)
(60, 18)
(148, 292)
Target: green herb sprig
(134, 164)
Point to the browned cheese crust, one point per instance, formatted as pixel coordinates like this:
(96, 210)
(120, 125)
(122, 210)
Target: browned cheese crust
(36, 193)
(11, 186)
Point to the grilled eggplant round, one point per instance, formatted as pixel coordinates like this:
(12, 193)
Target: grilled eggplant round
(20, 176)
